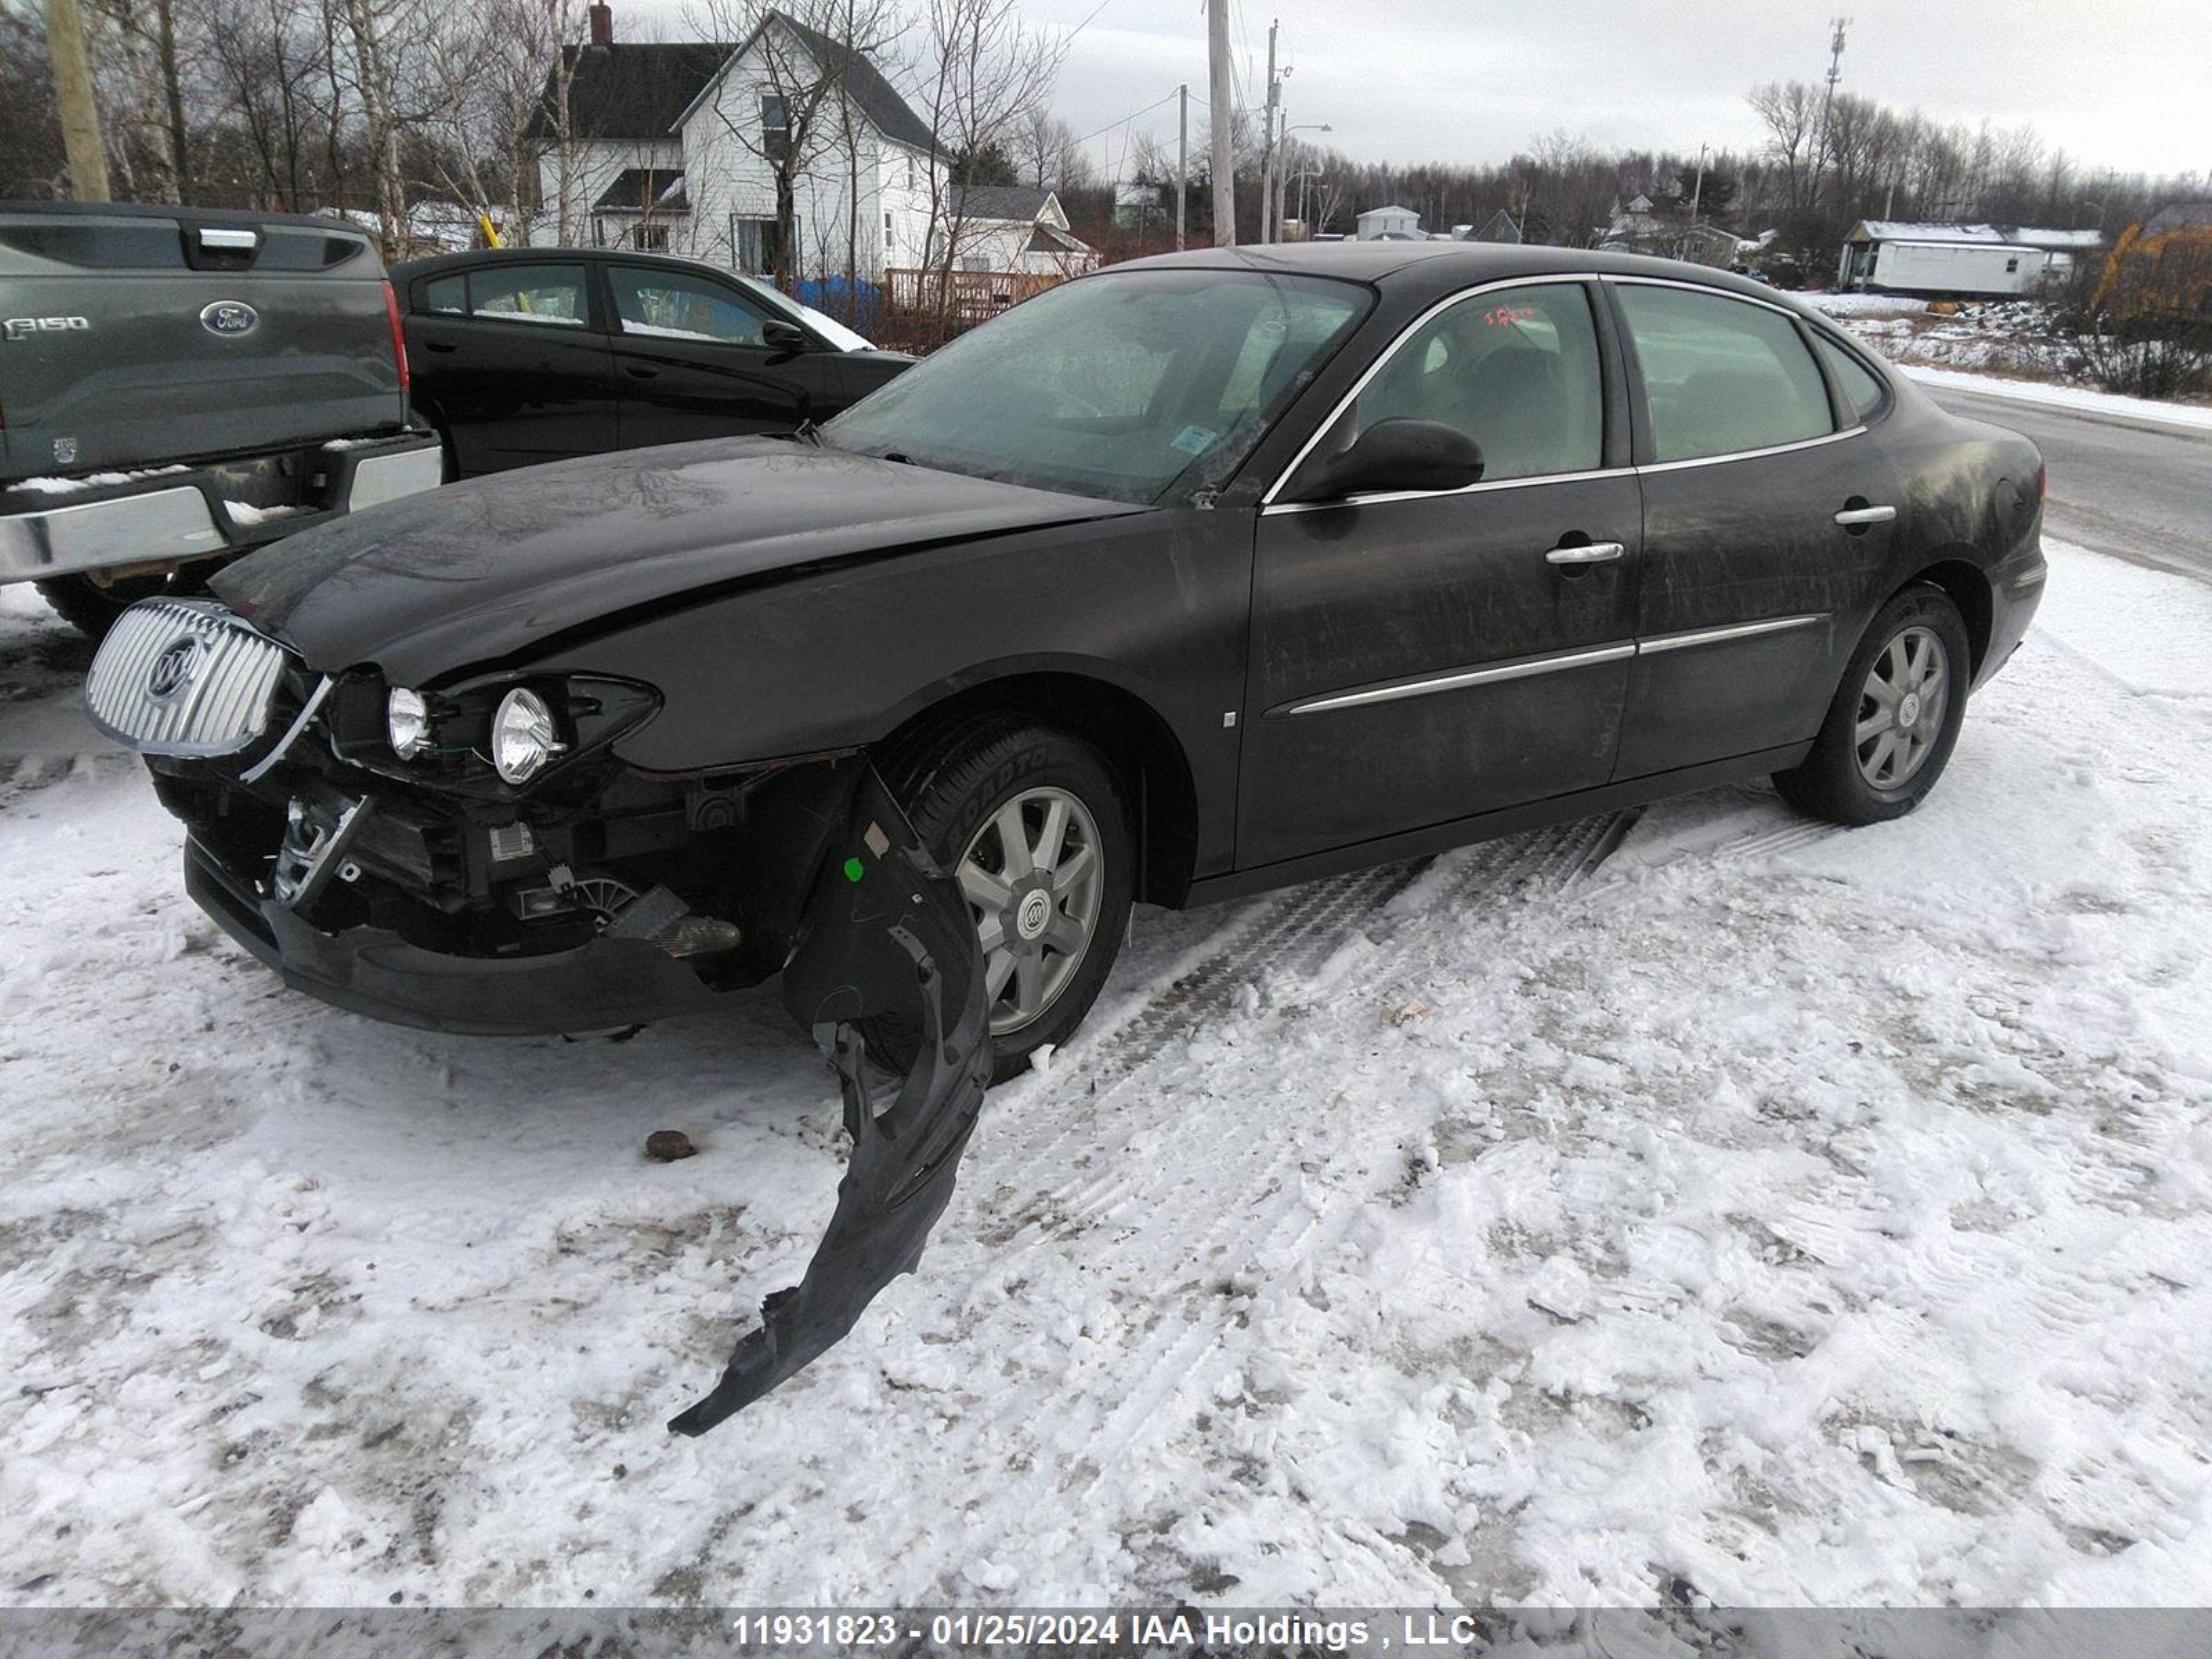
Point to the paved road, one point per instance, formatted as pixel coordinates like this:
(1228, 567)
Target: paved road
(2117, 486)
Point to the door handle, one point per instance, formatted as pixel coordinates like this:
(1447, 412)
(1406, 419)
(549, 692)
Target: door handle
(1587, 553)
(637, 373)
(440, 345)
(1851, 517)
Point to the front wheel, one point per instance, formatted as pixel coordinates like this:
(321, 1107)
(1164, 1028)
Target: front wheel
(1031, 821)
(1890, 730)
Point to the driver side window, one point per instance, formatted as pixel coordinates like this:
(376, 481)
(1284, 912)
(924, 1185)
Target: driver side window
(1516, 369)
(674, 306)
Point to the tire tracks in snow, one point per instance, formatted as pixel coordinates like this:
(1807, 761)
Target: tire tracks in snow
(1116, 1156)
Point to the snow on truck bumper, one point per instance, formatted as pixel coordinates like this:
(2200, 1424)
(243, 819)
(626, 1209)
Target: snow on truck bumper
(173, 516)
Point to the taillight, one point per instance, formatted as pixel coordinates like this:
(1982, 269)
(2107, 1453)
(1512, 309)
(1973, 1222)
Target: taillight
(2042, 480)
(398, 336)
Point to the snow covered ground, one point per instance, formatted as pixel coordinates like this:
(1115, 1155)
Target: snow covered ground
(2085, 400)
(1773, 1215)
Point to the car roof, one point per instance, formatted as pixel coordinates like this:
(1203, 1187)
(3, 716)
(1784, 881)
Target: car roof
(471, 258)
(1444, 266)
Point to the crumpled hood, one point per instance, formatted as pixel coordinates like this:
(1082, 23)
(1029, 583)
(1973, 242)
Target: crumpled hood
(485, 571)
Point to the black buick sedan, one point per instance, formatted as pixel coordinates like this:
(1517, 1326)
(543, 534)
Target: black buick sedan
(524, 355)
(1192, 577)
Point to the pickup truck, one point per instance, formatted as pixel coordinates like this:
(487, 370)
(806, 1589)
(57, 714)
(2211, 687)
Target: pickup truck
(179, 385)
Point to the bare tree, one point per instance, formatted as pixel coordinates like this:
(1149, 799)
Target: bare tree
(983, 70)
(1790, 112)
(1048, 154)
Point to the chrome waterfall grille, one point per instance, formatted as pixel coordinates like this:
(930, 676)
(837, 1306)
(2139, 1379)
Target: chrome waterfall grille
(184, 677)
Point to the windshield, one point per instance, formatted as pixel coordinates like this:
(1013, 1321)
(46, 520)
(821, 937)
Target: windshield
(1115, 386)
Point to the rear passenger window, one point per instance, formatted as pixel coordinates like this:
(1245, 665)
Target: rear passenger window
(1516, 369)
(447, 293)
(530, 293)
(1722, 375)
(1864, 390)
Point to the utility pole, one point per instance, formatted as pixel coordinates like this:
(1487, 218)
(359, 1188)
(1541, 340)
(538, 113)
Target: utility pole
(1698, 193)
(80, 116)
(1222, 118)
(1267, 142)
(1183, 160)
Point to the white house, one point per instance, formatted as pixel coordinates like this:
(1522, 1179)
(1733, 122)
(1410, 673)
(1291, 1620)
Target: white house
(1017, 228)
(669, 148)
(1886, 256)
(1389, 224)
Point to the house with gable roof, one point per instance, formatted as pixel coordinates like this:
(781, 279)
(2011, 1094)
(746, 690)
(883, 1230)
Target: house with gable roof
(676, 148)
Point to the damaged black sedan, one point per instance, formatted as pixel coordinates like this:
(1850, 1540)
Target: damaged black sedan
(1192, 577)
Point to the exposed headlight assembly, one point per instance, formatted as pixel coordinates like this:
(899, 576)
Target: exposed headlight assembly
(523, 737)
(484, 736)
(407, 722)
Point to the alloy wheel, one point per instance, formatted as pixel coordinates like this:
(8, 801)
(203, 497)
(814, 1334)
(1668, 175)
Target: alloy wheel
(1901, 708)
(1035, 880)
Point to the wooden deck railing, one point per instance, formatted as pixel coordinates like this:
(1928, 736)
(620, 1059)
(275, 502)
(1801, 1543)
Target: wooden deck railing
(968, 296)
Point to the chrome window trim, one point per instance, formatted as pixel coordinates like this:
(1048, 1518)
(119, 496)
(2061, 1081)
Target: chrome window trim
(1381, 360)
(1465, 676)
(1659, 642)
(1751, 454)
(1758, 300)
(1581, 657)
(1381, 497)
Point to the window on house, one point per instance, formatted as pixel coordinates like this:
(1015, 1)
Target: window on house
(757, 243)
(650, 239)
(775, 127)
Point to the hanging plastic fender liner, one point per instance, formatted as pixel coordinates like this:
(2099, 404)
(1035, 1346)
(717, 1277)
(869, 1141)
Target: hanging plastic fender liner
(887, 932)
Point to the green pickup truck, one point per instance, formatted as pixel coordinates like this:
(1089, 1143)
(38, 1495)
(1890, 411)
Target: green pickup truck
(179, 385)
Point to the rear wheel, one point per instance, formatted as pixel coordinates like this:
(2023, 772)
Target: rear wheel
(1889, 733)
(91, 607)
(1032, 822)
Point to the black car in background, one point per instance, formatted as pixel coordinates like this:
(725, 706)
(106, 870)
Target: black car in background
(529, 355)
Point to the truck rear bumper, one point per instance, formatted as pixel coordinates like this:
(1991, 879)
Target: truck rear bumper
(172, 518)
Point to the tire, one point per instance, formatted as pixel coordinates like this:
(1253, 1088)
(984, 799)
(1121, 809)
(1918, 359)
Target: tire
(92, 609)
(959, 785)
(1852, 778)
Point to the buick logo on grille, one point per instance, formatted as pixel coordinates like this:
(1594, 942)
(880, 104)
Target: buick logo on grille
(173, 670)
(229, 317)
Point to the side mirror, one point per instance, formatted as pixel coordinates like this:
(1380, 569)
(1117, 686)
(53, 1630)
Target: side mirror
(1399, 453)
(780, 336)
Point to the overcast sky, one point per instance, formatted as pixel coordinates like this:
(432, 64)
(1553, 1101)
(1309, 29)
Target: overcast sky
(2120, 83)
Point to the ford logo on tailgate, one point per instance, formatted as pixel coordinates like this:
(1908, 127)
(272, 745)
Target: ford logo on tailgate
(229, 317)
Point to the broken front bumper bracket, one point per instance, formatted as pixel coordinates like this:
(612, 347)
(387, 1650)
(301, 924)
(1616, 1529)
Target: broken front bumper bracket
(887, 936)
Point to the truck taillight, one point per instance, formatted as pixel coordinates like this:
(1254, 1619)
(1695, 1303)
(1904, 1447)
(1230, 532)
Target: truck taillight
(398, 336)
(2042, 481)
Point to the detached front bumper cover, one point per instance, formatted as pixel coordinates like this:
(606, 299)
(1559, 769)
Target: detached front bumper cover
(888, 932)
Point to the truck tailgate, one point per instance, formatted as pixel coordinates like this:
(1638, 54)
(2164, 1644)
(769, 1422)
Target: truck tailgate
(137, 336)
